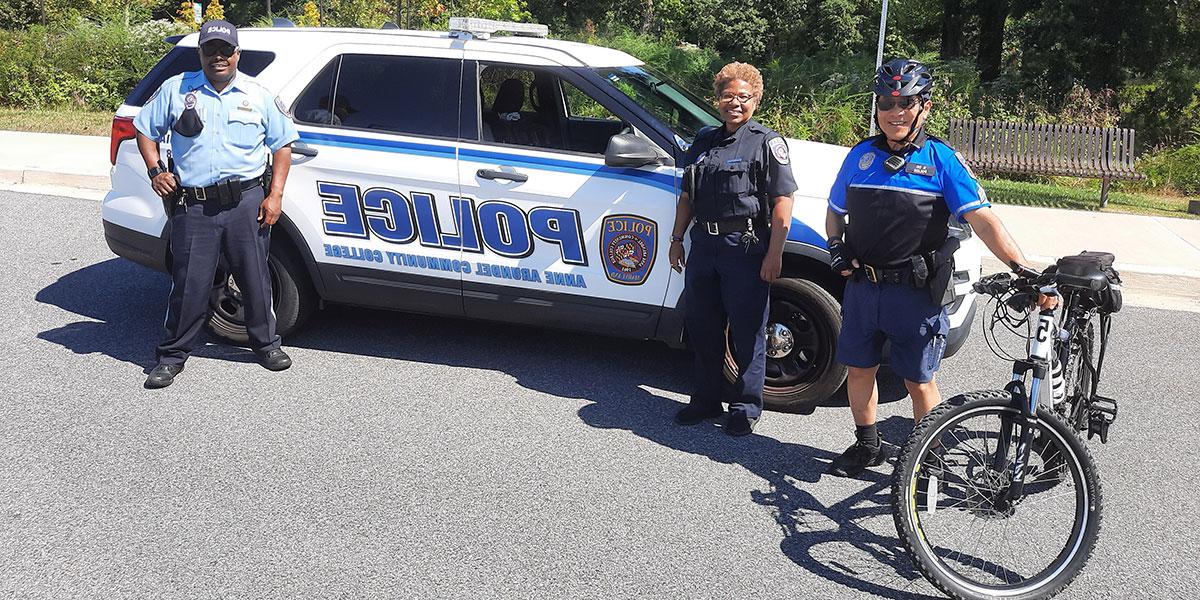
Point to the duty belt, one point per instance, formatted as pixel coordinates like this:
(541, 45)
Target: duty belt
(726, 226)
(226, 192)
(879, 274)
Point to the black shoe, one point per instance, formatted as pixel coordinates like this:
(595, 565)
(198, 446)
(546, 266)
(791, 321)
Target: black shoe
(738, 424)
(855, 459)
(693, 414)
(275, 360)
(162, 375)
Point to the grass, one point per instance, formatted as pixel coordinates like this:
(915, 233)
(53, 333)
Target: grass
(78, 122)
(1084, 197)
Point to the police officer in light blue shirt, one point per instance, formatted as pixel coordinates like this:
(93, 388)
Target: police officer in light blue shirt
(222, 125)
(899, 190)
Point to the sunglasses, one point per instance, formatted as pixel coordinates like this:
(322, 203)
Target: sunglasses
(886, 103)
(225, 50)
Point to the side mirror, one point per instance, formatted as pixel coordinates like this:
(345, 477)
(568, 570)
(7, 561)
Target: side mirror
(629, 150)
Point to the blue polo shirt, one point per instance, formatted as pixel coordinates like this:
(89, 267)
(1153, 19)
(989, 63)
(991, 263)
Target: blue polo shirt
(894, 215)
(242, 124)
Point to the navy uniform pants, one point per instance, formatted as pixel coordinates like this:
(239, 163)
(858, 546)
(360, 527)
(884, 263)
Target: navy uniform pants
(722, 288)
(200, 234)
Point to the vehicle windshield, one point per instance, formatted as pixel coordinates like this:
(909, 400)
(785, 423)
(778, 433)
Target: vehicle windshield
(670, 103)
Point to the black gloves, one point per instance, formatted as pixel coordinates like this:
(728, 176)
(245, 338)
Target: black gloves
(840, 256)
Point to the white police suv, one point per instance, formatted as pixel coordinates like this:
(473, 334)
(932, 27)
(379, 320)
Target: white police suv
(510, 178)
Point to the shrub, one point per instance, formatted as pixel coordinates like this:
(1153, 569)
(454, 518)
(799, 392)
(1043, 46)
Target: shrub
(87, 65)
(1176, 170)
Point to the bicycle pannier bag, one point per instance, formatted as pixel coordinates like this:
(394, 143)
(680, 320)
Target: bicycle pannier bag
(1087, 264)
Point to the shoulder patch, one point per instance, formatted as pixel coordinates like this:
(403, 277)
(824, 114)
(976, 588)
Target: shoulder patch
(965, 165)
(779, 150)
(864, 161)
(279, 105)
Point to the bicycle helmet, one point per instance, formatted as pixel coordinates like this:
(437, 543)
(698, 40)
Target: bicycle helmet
(903, 77)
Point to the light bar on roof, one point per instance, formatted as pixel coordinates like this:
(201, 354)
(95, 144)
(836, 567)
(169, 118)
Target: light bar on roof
(484, 28)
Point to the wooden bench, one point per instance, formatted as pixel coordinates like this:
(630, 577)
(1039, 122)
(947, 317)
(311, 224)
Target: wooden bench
(1104, 153)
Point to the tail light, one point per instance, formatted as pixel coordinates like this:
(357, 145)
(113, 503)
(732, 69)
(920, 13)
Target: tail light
(122, 129)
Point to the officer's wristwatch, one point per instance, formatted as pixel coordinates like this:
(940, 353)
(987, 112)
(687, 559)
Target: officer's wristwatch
(676, 238)
(155, 171)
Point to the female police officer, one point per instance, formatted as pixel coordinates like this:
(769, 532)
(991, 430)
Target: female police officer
(738, 187)
(899, 190)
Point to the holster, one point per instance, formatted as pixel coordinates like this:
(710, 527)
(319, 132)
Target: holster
(941, 272)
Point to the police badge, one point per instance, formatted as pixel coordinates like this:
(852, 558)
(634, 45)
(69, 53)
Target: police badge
(865, 161)
(628, 244)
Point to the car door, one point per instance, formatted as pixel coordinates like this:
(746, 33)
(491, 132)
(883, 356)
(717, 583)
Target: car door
(374, 202)
(561, 239)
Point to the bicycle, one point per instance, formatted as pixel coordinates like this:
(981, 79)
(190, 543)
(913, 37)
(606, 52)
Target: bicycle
(995, 495)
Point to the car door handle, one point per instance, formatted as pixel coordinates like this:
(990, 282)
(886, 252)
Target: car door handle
(494, 174)
(303, 150)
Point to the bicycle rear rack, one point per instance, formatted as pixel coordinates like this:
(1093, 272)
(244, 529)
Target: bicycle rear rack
(1102, 412)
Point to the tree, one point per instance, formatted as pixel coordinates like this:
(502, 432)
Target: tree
(992, 16)
(311, 17)
(186, 15)
(952, 29)
(214, 11)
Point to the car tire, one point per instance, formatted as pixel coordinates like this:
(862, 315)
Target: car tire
(802, 328)
(292, 293)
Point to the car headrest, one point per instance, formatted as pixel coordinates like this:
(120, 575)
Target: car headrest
(510, 97)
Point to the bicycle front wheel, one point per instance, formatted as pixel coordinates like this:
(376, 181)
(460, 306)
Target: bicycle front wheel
(968, 535)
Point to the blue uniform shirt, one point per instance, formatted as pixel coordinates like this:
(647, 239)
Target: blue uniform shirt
(894, 215)
(241, 124)
(738, 174)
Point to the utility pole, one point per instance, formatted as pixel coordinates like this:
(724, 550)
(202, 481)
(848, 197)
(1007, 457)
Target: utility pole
(269, 13)
(878, 58)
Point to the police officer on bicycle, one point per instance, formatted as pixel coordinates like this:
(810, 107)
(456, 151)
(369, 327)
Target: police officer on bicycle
(222, 124)
(738, 190)
(898, 190)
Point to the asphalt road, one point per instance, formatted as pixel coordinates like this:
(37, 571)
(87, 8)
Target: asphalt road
(414, 457)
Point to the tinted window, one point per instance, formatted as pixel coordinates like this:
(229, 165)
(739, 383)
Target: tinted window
(400, 94)
(185, 58)
(314, 104)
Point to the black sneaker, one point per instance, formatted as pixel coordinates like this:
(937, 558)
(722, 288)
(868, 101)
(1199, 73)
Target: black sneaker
(855, 459)
(694, 413)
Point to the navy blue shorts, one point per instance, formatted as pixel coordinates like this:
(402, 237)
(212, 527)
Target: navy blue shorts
(900, 314)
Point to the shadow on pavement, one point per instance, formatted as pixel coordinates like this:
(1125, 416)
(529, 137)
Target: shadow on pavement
(828, 540)
(125, 303)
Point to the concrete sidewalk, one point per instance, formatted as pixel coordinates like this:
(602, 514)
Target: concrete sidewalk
(1159, 246)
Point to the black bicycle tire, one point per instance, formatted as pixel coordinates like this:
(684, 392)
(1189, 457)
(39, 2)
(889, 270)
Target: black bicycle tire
(1078, 366)
(910, 457)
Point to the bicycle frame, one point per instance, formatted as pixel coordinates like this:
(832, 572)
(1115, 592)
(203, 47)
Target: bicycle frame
(1025, 399)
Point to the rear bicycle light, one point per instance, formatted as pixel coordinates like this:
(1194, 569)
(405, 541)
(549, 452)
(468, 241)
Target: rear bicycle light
(122, 129)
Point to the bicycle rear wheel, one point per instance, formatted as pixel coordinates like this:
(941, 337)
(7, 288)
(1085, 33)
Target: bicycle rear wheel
(1079, 376)
(946, 493)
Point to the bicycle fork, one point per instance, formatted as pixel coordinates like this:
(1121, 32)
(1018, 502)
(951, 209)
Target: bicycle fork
(1022, 427)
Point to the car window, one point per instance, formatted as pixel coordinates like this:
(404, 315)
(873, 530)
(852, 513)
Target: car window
(314, 106)
(397, 94)
(678, 109)
(582, 105)
(184, 58)
(536, 108)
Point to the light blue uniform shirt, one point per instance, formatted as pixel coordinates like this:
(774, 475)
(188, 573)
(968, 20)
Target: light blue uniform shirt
(241, 124)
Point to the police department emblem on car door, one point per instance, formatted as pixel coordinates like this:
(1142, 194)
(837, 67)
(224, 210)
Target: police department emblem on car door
(628, 245)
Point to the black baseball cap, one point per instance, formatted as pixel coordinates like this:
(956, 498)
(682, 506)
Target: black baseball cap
(218, 30)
